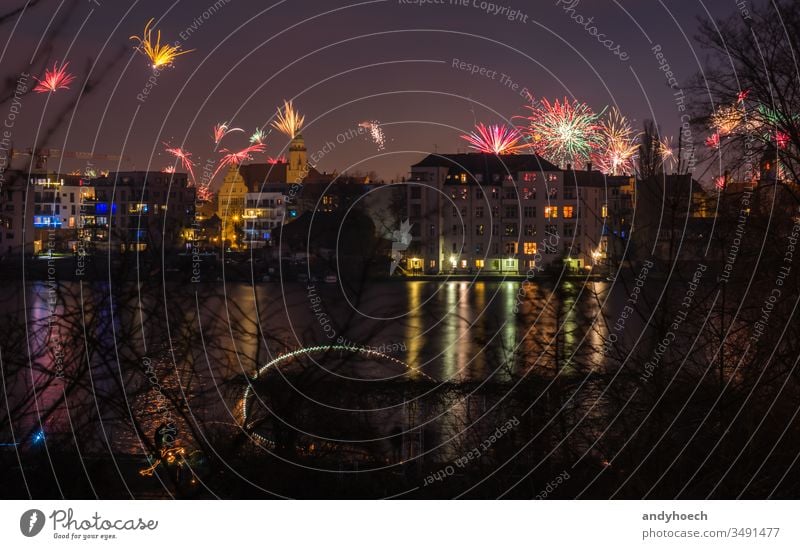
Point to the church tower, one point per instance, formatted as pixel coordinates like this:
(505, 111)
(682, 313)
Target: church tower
(297, 170)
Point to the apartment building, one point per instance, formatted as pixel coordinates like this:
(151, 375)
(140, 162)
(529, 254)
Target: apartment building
(506, 214)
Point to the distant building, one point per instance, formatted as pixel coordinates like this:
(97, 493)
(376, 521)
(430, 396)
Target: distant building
(16, 221)
(230, 204)
(263, 212)
(61, 211)
(505, 214)
(137, 211)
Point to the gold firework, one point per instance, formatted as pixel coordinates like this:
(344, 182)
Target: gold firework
(288, 121)
(160, 55)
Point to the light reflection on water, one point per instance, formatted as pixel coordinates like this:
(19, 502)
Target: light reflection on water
(455, 330)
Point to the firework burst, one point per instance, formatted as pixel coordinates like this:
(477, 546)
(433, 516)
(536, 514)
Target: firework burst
(565, 132)
(54, 79)
(288, 121)
(160, 55)
(495, 139)
(712, 141)
(221, 130)
(230, 157)
(375, 133)
(279, 160)
(185, 159)
(258, 137)
(727, 120)
(619, 145)
(666, 152)
(742, 96)
(168, 169)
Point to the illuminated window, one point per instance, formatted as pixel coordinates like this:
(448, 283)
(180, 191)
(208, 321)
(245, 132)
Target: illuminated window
(568, 212)
(529, 177)
(550, 212)
(530, 248)
(479, 263)
(604, 211)
(479, 230)
(511, 248)
(463, 263)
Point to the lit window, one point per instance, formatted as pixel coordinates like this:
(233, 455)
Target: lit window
(604, 211)
(550, 212)
(479, 263)
(568, 212)
(530, 248)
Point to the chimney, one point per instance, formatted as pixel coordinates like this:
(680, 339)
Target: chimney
(588, 166)
(569, 167)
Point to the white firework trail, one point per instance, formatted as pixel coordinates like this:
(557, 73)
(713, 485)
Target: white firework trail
(375, 133)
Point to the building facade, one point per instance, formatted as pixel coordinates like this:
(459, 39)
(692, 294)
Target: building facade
(263, 212)
(505, 214)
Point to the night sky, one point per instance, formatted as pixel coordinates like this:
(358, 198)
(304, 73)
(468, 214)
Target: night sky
(344, 63)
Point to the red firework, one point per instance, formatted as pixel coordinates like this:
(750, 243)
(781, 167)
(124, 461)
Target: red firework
(238, 157)
(495, 139)
(54, 79)
(185, 158)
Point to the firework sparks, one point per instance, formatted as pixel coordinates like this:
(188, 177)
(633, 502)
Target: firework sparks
(160, 55)
(221, 130)
(375, 132)
(288, 121)
(168, 169)
(666, 151)
(726, 120)
(566, 132)
(720, 182)
(619, 145)
(742, 96)
(279, 160)
(229, 157)
(185, 158)
(782, 139)
(712, 141)
(495, 139)
(204, 193)
(258, 137)
(54, 79)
